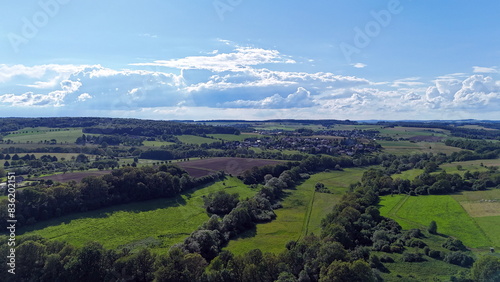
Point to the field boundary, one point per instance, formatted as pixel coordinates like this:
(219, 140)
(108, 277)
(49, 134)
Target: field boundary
(474, 221)
(394, 212)
(307, 218)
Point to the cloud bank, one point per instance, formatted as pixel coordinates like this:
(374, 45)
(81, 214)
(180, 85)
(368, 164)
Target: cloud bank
(245, 83)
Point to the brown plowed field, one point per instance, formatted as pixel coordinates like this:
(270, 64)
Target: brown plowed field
(234, 166)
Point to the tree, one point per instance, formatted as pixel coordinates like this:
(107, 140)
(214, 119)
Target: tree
(221, 202)
(432, 227)
(87, 264)
(6, 164)
(486, 268)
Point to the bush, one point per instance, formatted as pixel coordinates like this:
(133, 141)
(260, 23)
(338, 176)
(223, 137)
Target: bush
(220, 202)
(416, 243)
(412, 257)
(459, 258)
(386, 259)
(454, 245)
(435, 254)
(432, 227)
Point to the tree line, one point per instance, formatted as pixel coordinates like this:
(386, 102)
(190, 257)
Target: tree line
(124, 185)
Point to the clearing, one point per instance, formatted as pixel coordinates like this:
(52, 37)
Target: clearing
(302, 212)
(158, 223)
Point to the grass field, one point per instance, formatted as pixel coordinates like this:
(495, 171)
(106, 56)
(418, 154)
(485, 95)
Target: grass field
(38, 134)
(408, 174)
(491, 227)
(450, 216)
(429, 270)
(156, 143)
(469, 165)
(406, 132)
(232, 137)
(407, 147)
(192, 139)
(301, 214)
(161, 222)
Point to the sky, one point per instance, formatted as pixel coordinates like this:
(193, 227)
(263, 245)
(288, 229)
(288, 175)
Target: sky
(253, 60)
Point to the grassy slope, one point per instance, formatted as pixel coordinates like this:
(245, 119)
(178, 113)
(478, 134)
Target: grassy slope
(192, 139)
(301, 214)
(41, 134)
(162, 221)
(156, 143)
(451, 218)
(232, 137)
(407, 147)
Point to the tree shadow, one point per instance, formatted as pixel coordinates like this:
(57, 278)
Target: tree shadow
(133, 207)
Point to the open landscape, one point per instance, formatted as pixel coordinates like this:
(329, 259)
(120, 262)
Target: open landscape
(249, 141)
(292, 183)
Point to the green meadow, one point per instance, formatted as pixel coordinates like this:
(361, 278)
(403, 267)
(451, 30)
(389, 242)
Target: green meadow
(232, 137)
(407, 147)
(156, 143)
(450, 216)
(38, 134)
(192, 139)
(301, 214)
(158, 223)
(429, 270)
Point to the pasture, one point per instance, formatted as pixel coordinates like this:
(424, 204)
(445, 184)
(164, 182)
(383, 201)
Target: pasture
(192, 139)
(451, 218)
(407, 147)
(429, 270)
(158, 223)
(42, 134)
(232, 137)
(470, 165)
(156, 143)
(302, 212)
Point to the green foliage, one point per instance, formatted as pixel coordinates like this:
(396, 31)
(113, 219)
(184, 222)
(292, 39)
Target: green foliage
(220, 202)
(339, 271)
(129, 225)
(454, 245)
(487, 269)
(432, 227)
(452, 219)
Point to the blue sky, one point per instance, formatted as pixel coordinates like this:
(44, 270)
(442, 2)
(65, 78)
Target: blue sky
(242, 59)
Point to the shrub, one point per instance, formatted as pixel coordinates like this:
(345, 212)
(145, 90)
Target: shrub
(454, 245)
(412, 257)
(459, 258)
(416, 243)
(435, 254)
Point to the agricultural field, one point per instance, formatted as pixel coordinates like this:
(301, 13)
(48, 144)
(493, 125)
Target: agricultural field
(469, 165)
(74, 176)
(41, 134)
(192, 139)
(302, 212)
(157, 223)
(234, 166)
(232, 137)
(408, 174)
(408, 132)
(156, 143)
(407, 147)
(451, 218)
